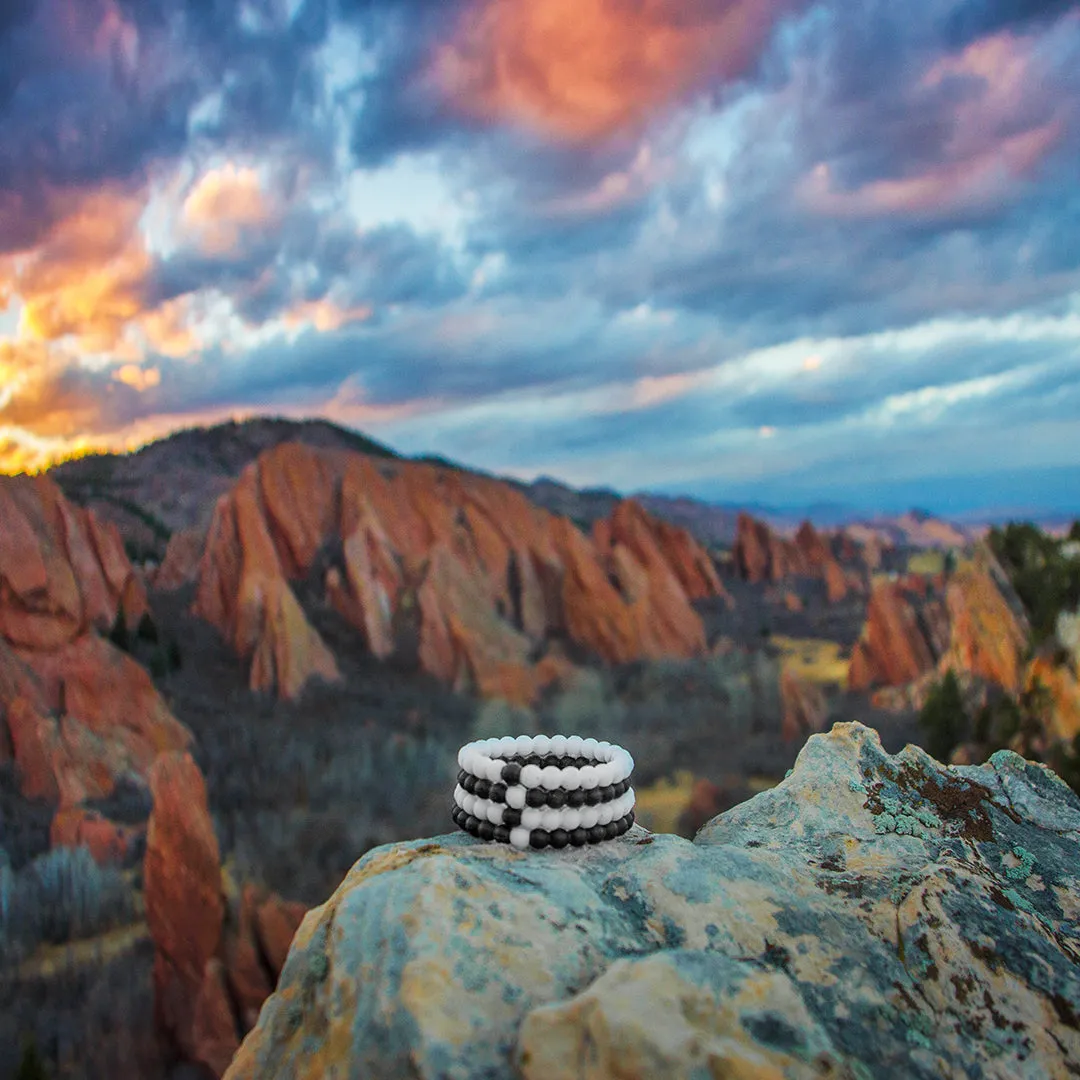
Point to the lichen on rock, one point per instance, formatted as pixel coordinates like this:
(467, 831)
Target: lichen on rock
(801, 934)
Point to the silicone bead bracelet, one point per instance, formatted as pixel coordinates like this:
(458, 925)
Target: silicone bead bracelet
(539, 790)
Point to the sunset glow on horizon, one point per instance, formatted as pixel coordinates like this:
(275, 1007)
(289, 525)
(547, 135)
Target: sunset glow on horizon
(772, 249)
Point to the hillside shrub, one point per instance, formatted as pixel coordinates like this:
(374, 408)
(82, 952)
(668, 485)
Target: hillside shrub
(61, 896)
(1046, 579)
(942, 718)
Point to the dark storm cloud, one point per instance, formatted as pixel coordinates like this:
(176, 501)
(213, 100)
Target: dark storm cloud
(978, 17)
(89, 98)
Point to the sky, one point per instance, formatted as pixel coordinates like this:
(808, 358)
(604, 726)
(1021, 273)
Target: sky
(738, 249)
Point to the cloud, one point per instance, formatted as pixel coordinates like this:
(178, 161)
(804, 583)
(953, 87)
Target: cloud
(583, 70)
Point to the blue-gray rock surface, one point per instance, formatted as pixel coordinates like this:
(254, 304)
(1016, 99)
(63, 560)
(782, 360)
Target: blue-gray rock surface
(873, 916)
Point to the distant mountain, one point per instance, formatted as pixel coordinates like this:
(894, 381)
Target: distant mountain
(173, 484)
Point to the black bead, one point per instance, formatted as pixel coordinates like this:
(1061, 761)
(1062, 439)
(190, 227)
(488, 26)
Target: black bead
(536, 797)
(455, 814)
(623, 824)
(470, 783)
(511, 772)
(593, 797)
(575, 798)
(535, 759)
(472, 823)
(461, 777)
(611, 830)
(556, 798)
(596, 834)
(511, 817)
(487, 830)
(552, 760)
(605, 794)
(559, 838)
(483, 789)
(502, 834)
(538, 839)
(497, 793)
(579, 837)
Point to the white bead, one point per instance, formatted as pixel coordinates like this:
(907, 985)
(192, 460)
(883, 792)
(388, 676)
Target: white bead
(573, 745)
(604, 817)
(530, 776)
(470, 801)
(541, 745)
(587, 773)
(515, 797)
(550, 819)
(519, 837)
(589, 816)
(523, 745)
(531, 816)
(558, 745)
(550, 777)
(494, 768)
(571, 819)
(588, 748)
(603, 750)
(461, 758)
(571, 777)
(506, 745)
(494, 813)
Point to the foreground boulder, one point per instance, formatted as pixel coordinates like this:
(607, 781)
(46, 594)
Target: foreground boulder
(872, 916)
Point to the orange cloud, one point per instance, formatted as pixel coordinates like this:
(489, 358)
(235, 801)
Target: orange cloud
(224, 205)
(584, 69)
(138, 378)
(86, 278)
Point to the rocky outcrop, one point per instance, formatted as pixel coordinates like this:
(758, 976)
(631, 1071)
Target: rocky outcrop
(872, 915)
(62, 572)
(217, 952)
(912, 629)
(184, 907)
(455, 573)
(78, 713)
(763, 556)
(804, 707)
(107, 841)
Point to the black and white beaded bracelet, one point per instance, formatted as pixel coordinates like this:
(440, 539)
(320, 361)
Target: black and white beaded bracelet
(536, 791)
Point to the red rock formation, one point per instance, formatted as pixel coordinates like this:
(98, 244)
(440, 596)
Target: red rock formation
(106, 841)
(893, 649)
(79, 713)
(761, 555)
(986, 637)
(181, 563)
(910, 631)
(459, 572)
(214, 1036)
(804, 706)
(182, 882)
(276, 923)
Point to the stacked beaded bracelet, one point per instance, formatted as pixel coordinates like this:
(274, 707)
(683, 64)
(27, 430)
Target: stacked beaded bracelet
(536, 791)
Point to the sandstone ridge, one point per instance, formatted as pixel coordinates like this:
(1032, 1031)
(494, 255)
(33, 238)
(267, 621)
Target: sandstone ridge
(76, 713)
(456, 573)
(873, 915)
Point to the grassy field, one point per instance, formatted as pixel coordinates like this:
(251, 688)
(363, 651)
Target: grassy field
(926, 562)
(814, 659)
